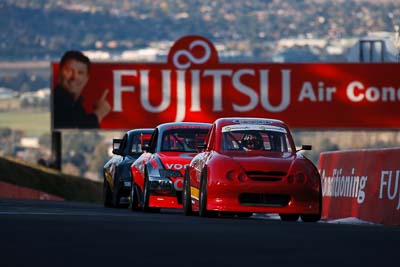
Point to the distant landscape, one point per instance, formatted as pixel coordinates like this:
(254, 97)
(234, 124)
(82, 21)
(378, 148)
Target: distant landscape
(34, 33)
(32, 122)
(43, 30)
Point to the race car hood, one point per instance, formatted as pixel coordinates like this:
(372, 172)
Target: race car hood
(262, 163)
(175, 160)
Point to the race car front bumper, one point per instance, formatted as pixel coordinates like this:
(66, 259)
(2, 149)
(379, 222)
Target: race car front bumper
(165, 192)
(160, 184)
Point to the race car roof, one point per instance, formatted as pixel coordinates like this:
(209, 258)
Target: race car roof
(222, 122)
(183, 125)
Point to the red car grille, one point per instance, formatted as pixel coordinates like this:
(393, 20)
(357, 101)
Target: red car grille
(271, 176)
(271, 200)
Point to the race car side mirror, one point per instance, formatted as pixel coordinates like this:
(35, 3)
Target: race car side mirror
(305, 147)
(116, 146)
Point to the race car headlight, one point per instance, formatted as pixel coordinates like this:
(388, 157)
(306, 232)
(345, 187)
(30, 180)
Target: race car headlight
(233, 175)
(230, 175)
(241, 177)
(170, 173)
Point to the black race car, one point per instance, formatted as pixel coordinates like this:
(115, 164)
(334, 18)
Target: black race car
(117, 171)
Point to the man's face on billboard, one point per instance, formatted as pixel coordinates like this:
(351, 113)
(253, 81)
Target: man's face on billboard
(74, 76)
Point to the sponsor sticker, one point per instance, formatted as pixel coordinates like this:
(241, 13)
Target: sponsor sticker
(246, 121)
(250, 127)
(178, 185)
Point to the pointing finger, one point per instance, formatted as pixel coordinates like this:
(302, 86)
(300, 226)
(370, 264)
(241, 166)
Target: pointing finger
(104, 95)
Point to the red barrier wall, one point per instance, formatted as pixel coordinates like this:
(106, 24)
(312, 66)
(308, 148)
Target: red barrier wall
(13, 191)
(362, 184)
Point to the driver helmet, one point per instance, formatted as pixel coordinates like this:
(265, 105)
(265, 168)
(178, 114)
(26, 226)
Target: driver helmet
(253, 141)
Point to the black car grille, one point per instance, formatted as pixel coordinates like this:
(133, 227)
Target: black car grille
(271, 200)
(271, 176)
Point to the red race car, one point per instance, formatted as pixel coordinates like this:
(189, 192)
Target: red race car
(158, 173)
(250, 165)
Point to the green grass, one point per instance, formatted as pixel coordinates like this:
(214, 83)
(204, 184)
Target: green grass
(47, 180)
(33, 123)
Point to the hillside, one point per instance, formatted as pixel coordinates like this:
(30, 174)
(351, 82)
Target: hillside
(34, 30)
(40, 178)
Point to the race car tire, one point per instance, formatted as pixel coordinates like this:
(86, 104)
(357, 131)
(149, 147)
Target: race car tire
(186, 195)
(289, 217)
(134, 201)
(310, 217)
(203, 212)
(203, 198)
(146, 196)
(116, 196)
(107, 197)
(314, 217)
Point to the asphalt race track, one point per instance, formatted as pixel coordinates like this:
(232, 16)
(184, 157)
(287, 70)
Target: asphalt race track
(47, 233)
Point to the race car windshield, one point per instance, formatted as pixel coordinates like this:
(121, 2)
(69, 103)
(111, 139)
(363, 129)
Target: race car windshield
(138, 142)
(183, 140)
(255, 139)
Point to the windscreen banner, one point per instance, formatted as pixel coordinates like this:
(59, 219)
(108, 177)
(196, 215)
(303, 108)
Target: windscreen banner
(194, 86)
(361, 184)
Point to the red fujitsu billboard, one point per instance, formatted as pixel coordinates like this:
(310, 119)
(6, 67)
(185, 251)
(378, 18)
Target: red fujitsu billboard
(194, 86)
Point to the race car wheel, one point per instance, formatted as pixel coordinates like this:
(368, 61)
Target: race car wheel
(133, 198)
(116, 196)
(203, 198)
(203, 212)
(107, 197)
(314, 217)
(187, 202)
(146, 197)
(289, 217)
(146, 194)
